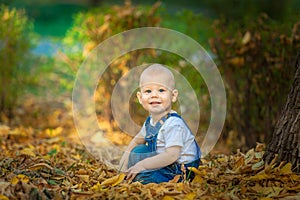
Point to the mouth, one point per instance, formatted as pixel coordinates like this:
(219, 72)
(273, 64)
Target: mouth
(155, 103)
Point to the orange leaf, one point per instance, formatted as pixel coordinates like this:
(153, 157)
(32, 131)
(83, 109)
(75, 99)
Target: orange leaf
(240, 162)
(237, 61)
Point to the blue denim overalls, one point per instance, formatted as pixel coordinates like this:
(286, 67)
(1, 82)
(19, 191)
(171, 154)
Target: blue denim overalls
(143, 151)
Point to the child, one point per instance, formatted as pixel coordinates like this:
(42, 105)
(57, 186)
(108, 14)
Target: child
(165, 146)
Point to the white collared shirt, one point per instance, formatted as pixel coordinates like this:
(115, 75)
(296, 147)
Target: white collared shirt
(174, 132)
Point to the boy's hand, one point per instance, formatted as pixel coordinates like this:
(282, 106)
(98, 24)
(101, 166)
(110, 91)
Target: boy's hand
(161, 160)
(133, 171)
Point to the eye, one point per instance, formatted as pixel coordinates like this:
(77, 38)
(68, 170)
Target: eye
(147, 91)
(161, 90)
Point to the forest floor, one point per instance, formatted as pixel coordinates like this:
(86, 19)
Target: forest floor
(42, 158)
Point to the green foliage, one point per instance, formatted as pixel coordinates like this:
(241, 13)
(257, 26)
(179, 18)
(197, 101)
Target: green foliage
(257, 62)
(93, 27)
(15, 32)
(234, 10)
(195, 25)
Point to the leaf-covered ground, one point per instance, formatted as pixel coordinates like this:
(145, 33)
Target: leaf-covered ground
(42, 158)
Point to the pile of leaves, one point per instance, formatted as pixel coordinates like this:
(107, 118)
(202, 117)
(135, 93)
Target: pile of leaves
(39, 162)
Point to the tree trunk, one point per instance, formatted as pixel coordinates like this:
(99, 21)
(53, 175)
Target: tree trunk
(286, 137)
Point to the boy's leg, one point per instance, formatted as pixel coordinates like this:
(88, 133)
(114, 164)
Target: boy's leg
(159, 175)
(166, 174)
(138, 153)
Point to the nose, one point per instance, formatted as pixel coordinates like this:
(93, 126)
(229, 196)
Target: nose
(154, 93)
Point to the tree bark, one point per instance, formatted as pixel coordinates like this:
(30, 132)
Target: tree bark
(286, 137)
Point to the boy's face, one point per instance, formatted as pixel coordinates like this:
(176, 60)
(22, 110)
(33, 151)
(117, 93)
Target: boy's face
(156, 94)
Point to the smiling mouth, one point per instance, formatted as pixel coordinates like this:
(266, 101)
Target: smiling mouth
(154, 103)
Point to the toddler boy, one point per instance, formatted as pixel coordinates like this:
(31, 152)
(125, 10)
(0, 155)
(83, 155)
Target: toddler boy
(165, 146)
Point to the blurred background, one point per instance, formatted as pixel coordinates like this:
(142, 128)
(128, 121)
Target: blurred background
(253, 42)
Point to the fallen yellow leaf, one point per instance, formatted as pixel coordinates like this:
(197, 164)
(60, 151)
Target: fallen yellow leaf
(286, 169)
(270, 191)
(20, 177)
(27, 151)
(84, 178)
(237, 61)
(190, 196)
(258, 177)
(246, 38)
(198, 179)
(167, 198)
(3, 197)
(196, 171)
(96, 187)
(294, 177)
(113, 181)
(120, 179)
(294, 188)
(179, 186)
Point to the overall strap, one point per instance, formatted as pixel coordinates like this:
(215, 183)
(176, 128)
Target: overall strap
(162, 120)
(152, 132)
(159, 124)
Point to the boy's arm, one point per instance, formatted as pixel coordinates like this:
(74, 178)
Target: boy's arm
(161, 160)
(138, 139)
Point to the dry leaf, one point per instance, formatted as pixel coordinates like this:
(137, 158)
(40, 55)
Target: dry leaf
(84, 178)
(167, 198)
(27, 151)
(258, 177)
(237, 61)
(246, 38)
(240, 162)
(74, 174)
(196, 171)
(20, 177)
(190, 196)
(258, 165)
(113, 181)
(39, 166)
(175, 179)
(286, 169)
(3, 197)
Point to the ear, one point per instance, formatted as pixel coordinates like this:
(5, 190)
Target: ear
(174, 95)
(139, 96)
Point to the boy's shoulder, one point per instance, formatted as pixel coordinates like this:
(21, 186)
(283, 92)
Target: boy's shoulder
(174, 120)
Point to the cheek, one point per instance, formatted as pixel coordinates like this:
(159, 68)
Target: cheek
(144, 98)
(168, 98)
